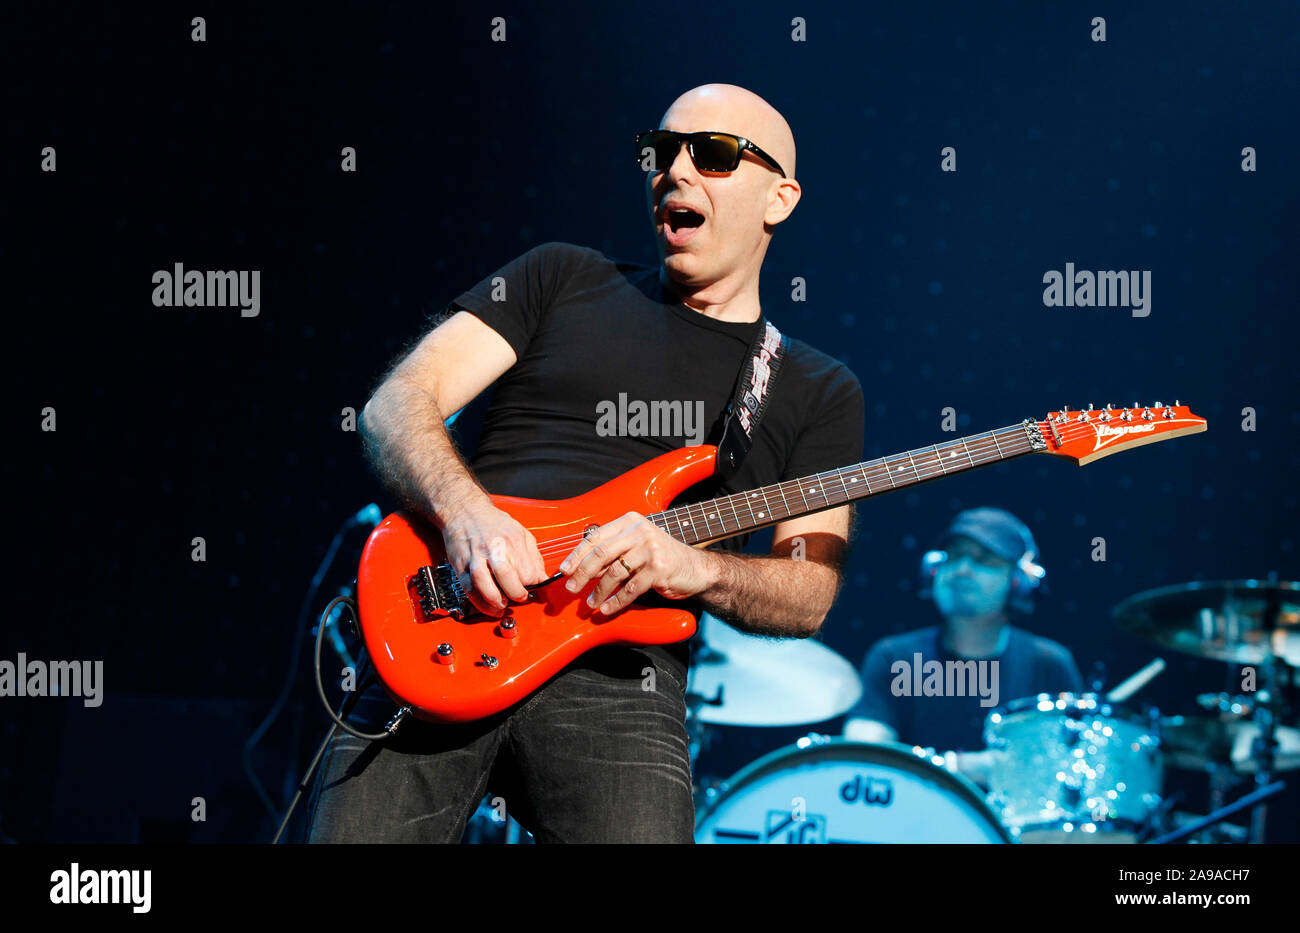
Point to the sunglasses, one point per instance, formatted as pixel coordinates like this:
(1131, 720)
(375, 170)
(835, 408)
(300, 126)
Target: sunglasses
(711, 152)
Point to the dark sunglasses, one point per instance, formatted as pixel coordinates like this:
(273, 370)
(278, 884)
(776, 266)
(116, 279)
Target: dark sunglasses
(711, 152)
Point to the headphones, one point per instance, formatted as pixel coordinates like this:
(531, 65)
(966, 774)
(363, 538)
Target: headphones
(1026, 576)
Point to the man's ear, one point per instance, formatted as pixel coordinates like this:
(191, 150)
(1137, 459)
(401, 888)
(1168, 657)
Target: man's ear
(781, 200)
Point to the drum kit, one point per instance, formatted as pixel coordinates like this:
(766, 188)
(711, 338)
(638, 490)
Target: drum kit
(1065, 768)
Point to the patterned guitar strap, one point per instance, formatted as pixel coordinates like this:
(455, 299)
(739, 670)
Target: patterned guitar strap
(750, 397)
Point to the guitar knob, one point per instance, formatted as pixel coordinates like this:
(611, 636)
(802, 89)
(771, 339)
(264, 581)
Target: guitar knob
(506, 628)
(445, 654)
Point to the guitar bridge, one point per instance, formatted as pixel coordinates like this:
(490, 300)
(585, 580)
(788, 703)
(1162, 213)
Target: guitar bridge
(439, 589)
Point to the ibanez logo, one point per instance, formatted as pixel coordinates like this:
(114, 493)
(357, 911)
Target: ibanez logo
(1106, 430)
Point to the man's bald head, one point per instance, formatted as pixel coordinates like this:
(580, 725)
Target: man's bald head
(731, 109)
(713, 228)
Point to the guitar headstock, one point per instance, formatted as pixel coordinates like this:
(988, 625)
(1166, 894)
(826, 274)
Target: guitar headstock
(1091, 434)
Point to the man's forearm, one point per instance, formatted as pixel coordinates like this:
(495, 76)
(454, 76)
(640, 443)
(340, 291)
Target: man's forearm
(774, 596)
(407, 443)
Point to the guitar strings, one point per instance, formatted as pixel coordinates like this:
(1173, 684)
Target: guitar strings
(1067, 433)
(978, 445)
(868, 474)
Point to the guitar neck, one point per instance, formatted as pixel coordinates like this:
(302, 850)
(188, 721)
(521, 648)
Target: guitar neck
(727, 516)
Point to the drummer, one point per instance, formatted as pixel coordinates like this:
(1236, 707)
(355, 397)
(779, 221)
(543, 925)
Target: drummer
(982, 579)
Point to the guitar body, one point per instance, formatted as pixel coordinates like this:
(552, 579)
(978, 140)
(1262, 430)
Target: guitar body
(549, 632)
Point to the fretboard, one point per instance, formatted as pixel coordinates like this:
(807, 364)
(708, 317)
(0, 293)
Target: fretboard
(713, 519)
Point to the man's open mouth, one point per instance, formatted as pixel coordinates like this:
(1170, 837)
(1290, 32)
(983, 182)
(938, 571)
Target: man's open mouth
(680, 218)
(681, 224)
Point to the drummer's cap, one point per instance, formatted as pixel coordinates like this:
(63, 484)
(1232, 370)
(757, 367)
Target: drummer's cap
(996, 529)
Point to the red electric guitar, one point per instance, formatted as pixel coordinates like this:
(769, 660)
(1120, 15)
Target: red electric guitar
(437, 655)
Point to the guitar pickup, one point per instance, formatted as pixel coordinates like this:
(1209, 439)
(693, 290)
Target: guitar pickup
(438, 589)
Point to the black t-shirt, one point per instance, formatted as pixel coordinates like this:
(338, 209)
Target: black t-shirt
(593, 336)
(1029, 665)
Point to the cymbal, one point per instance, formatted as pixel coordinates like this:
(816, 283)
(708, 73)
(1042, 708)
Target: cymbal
(743, 680)
(1221, 619)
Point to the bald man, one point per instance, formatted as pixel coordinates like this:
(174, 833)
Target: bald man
(574, 342)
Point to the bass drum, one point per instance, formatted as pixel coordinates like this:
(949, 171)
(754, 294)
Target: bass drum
(831, 790)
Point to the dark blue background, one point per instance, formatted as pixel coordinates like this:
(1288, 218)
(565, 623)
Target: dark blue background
(181, 422)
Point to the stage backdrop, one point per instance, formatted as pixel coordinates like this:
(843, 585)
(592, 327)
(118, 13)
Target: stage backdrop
(371, 162)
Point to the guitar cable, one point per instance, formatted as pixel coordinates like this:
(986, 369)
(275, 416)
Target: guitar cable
(349, 701)
(367, 517)
(394, 723)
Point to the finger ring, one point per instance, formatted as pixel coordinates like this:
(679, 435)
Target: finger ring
(625, 566)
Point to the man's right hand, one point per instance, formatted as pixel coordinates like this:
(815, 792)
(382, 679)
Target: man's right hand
(498, 555)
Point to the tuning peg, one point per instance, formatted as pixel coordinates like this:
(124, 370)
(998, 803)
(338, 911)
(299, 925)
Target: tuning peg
(1156, 405)
(1177, 403)
(1109, 406)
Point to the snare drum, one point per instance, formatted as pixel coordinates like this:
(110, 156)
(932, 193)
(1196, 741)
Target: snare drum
(830, 790)
(1070, 768)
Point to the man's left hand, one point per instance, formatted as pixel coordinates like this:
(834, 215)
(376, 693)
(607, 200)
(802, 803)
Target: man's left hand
(631, 556)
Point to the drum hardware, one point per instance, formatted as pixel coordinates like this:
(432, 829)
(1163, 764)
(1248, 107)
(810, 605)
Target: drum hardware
(1237, 705)
(1160, 819)
(1253, 799)
(1220, 833)
(1244, 622)
(697, 729)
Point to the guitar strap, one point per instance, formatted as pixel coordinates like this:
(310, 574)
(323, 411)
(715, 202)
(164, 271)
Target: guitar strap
(749, 400)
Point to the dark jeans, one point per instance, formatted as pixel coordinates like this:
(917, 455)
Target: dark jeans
(590, 757)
